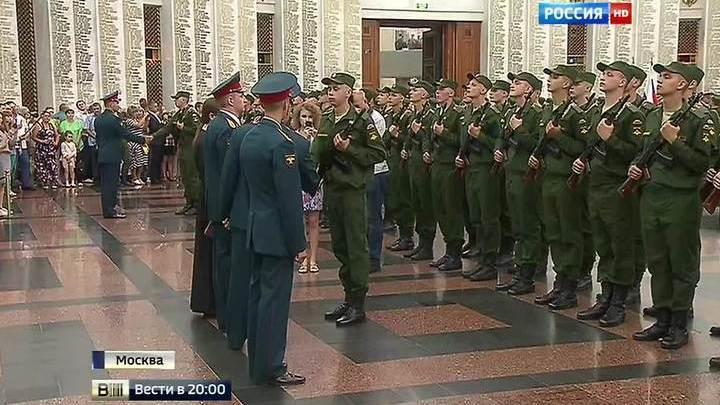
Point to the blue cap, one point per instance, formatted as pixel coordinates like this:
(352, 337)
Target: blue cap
(275, 86)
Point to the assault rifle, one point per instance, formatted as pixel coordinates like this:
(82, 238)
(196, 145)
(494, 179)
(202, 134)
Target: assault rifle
(539, 151)
(334, 158)
(464, 149)
(508, 133)
(630, 184)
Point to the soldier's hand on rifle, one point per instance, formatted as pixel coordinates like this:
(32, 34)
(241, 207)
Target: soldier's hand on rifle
(341, 144)
(499, 156)
(710, 175)
(438, 128)
(427, 158)
(415, 127)
(578, 166)
(459, 162)
(474, 130)
(404, 155)
(534, 162)
(669, 132)
(635, 172)
(552, 130)
(604, 130)
(716, 181)
(180, 125)
(394, 131)
(515, 122)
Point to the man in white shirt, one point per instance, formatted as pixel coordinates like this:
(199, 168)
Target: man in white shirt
(20, 156)
(378, 189)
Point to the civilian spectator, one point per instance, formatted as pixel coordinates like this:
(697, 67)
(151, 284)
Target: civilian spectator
(76, 128)
(143, 104)
(24, 123)
(8, 133)
(154, 124)
(138, 156)
(61, 115)
(90, 161)
(81, 110)
(68, 154)
(46, 138)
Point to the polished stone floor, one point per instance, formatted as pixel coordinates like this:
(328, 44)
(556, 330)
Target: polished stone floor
(72, 282)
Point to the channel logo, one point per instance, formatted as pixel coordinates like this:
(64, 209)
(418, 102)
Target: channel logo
(585, 13)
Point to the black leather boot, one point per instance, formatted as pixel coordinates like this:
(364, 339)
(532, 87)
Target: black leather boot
(678, 335)
(633, 296)
(403, 245)
(615, 315)
(355, 313)
(715, 362)
(650, 311)
(525, 283)
(567, 298)
(413, 252)
(454, 262)
(506, 285)
(469, 271)
(550, 295)
(657, 330)
(715, 331)
(425, 252)
(602, 303)
(394, 244)
(338, 311)
(439, 262)
(487, 273)
(585, 283)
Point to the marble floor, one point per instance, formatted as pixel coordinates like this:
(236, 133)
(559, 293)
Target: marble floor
(72, 282)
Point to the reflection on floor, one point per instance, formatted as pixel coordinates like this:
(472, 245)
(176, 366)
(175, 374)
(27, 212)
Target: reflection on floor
(71, 282)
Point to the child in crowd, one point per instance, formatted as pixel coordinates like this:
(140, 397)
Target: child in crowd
(68, 152)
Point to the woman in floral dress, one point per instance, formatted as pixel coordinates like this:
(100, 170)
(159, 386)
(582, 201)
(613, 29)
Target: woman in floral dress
(46, 139)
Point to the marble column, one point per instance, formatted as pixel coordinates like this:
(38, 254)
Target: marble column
(712, 46)
(227, 40)
(86, 50)
(184, 46)
(135, 70)
(352, 31)
(333, 37)
(248, 41)
(62, 52)
(312, 45)
(112, 47)
(9, 53)
(497, 34)
(205, 79)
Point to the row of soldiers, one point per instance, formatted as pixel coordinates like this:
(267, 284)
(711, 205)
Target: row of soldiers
(536, 178)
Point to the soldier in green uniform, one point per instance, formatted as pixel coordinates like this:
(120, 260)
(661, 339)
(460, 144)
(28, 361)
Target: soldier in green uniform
(500, 99)
(399, 200)
(182, 126)
(447, 188)
(671, 209)
(480, 132)
(346, 149)
(215, 145)
(585, 108)
(110, 137)
(611, 215)
(416, 144)
(521, 134)
(562, 208)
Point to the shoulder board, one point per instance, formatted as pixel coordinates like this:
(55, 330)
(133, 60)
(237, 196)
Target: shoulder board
(648, 105)
(458, 108)
(537, 107)
(577, 108)
(231, 123)
(328, 111)
(284, 135)
(700, 110)
(365, 115)
(205, 127)
(632, 107)
(494, 108)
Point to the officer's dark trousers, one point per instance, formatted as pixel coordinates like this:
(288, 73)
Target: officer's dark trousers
(238, 290)
(155, 166)
(376, 195)
(221, 272)
(23, 168)
(109, 182)
(269, 306)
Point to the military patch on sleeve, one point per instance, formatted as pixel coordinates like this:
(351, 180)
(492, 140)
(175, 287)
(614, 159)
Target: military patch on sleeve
(372, 132)
(290, 159)
(583, 125)
(637, 128)
(708, 131)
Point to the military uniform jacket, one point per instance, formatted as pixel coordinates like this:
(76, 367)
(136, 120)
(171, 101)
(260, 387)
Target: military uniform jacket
(418, 143)
(110, 135)
(234, 198)
(190, 119)
(521, 141)
(215, 144)
(401, 120)
(275, 213)
(481, 149)
(445, 147)
(612, 158)
(560, 152)
(682, 164)
(309, 178)
(353, 168)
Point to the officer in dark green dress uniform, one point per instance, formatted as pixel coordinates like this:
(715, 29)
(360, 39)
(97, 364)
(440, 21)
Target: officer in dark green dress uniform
(110, 136)
(276, 230)
(670, 206)
(183, 125)
(448, 190)
(399, 200)
(215, 145)
(234, 210)
(346, 149)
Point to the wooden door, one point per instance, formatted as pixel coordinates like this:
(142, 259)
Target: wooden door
(371, 54)
(461, 50)
(432, 57)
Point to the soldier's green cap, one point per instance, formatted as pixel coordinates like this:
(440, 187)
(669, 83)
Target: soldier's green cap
(562, 70)
(446, 84)
(415, 83)
(528, 77)
(339, 78)
(697, 73)
(501, 85)
(230, 85)
(386, 90)
(181, 93)
(482, 79)
(587, 77)
(370, 94)
(400, 89)
(114, 96)
(275, 87)
(638, 73)
(682, 69)
(618, 65)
